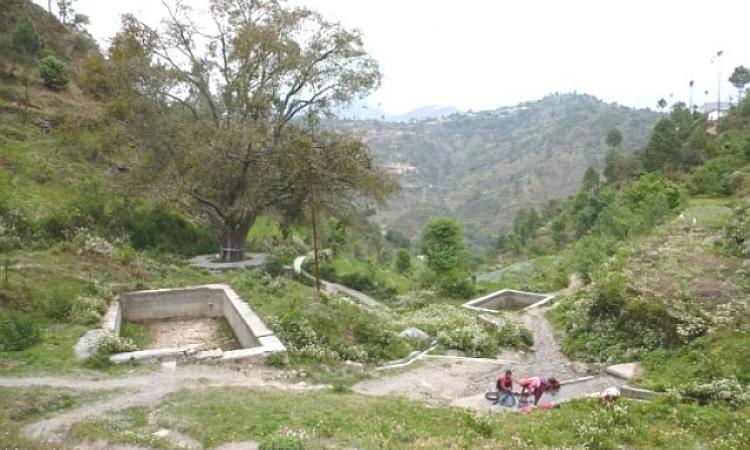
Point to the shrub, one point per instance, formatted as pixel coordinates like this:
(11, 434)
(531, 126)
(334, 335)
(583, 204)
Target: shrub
(274, 265)
(54, 73)
(725, 390)
(87, 310)
(111, 343)
(359, 281)
(57, 307)
(457, 285)
(608, 297)
(96, 79)
(18, 331)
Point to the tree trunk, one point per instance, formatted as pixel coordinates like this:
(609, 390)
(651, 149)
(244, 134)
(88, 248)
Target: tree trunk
(233, 236)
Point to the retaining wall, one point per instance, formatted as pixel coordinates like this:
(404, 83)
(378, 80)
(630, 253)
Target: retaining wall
(215, 300)
(505, 298)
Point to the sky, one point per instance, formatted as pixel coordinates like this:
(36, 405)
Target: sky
(482, 54)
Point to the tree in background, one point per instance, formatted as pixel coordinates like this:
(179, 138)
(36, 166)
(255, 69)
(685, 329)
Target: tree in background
(443, 245)
(661, 104)
(328, 170)
(740, 77)
(663, 149)
(403, 261)
(26, 39)
(591, 180)
(207, 113)
(614, 138)
(65, 10)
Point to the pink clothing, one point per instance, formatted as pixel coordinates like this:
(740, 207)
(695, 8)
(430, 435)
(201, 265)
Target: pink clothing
(532, 384)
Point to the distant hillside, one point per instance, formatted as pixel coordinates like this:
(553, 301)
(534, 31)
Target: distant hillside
(482, 167)
(362, 110)
(424, 112)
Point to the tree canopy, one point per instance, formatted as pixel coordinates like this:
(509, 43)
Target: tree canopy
(209, 114)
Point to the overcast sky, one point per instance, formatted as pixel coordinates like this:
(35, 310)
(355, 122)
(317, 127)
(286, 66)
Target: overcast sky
(481, 54)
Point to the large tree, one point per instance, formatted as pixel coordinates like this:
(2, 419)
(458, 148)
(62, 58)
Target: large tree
(208, 111)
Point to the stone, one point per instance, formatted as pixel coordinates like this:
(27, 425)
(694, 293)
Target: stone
(491, 321)
(161, 433)
(579, 367)
(88, 344)
(415, 333)
(626, 371)
(169, 366)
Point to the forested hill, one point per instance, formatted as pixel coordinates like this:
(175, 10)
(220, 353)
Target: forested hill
(482, 167)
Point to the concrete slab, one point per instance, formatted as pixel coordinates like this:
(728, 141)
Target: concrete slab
(626, 371)
(210, 262)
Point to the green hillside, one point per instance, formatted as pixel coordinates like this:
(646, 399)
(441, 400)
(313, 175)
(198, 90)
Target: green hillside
(483, 167)
(646, 244)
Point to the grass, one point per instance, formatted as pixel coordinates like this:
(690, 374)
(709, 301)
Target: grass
(343, 419)
(130, 426)
(19, 406)
(137, 332)
(540, 274)
(719, 355)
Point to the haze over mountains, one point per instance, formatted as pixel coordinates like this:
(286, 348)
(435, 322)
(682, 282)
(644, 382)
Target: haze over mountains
(484, 166)
(362, 110)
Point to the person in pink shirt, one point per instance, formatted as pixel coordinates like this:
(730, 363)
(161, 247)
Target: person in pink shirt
(538, 386)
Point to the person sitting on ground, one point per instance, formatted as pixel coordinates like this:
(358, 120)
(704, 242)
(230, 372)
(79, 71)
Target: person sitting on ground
(538, 386)
(505, 394)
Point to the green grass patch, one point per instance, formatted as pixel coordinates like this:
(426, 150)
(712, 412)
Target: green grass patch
(540, 274)
(137, 332)
(217, 416)
(719, 355)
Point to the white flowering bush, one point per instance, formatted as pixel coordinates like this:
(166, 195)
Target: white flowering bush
(726, 390)
(111, 343)
(87, 309)
(455, 328)
(471, 338)
(89, 244)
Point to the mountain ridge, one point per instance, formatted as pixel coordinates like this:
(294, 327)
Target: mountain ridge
(484, 166)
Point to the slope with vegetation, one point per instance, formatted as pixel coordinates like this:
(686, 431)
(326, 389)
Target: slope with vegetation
(662, 241)
(484, 166)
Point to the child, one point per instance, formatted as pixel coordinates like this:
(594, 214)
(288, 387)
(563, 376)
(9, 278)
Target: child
(505, 394)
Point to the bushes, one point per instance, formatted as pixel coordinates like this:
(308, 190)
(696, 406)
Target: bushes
(724, 390)
(54, 73)
(608, 297)
(18, 331)
(713, 178)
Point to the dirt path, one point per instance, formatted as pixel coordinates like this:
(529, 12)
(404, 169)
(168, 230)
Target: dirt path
(144, 390)
(335, 288)
(463, 382)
